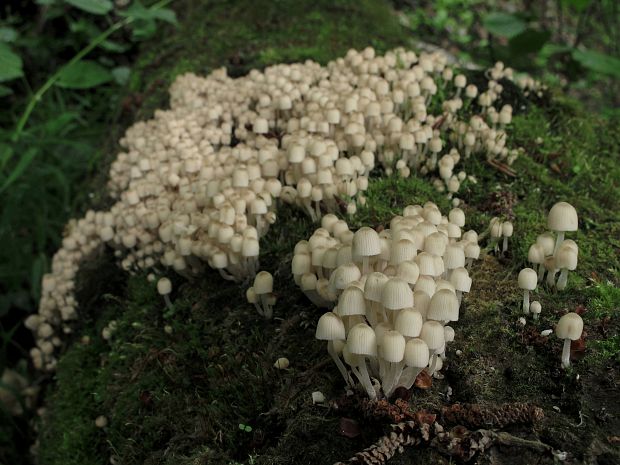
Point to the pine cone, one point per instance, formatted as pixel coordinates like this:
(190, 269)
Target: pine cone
(476, 415)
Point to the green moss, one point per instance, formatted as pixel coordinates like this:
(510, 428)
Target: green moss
(249, 34)
(69, 435)
(387, 196)
(178, 396)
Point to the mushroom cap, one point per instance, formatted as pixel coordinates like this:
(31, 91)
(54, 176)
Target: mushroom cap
(570, 327)
(416, 353)
(164, 286)
(250, 295)
(425, 284)
(263, 283)
(301, 263)
(351, 302)
(426, 263)
(433, 334)
(344, 274)
(409, 322)
(374, 286)
(397, 294)
(547, 242)
(562, 217)
(457, 217)
(436, 244)
(566, 257)
(507, 229)
(472, 251)
(528, 279)
(408, 271)
(401, 251)
(454, 257)
(392, 346)
(362, 340)
(460, 279)
(366, 243)
(330, 327)
(444, 306)
(421, 302)
(536, 254)
(535, 307)
(448, 333)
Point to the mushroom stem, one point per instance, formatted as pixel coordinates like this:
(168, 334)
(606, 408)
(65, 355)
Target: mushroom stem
(393, 374)
(168, 303)
(541, 272)
(365, 261)
(558, 240)
(459, 296)
(563, 279)
(526, 301)
(551, 277)
(343, 370)
(259, 309)
(409, 376)
(267, 310)
(566, 353)
(364, 378)
(505, 245)
(226, 276)
(433, 365)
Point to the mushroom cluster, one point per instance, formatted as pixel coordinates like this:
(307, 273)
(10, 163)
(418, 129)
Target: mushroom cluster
(199, 184)
(391, 293)
(553, 254)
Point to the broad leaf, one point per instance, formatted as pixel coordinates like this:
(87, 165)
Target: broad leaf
(529, 41)
(96, 7)
(83, 75)
(598, 62)
(504, 24)
(10, 64)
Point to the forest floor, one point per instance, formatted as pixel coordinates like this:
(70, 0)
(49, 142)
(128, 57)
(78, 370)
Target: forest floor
(180, 396)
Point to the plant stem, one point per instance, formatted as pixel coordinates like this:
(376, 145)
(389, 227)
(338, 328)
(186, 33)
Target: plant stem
(23, 120)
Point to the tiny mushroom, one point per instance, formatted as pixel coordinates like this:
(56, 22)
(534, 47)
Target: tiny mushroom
(528, 280)
(568, 328)
(562, 218)
(507, 230)
(535, 308)
(263, 288)
(164, 288)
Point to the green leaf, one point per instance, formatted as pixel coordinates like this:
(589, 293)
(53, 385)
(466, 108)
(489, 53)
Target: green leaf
(83, 75)
(528, 41)
(165, 14)
(4, 91)
(10, 64)
(597, 62)
(504, 24)
(121, 74)
(21, 166)
(96, 7)
(578, 5)
(114, 47)
(138, 12)
(7, 34)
